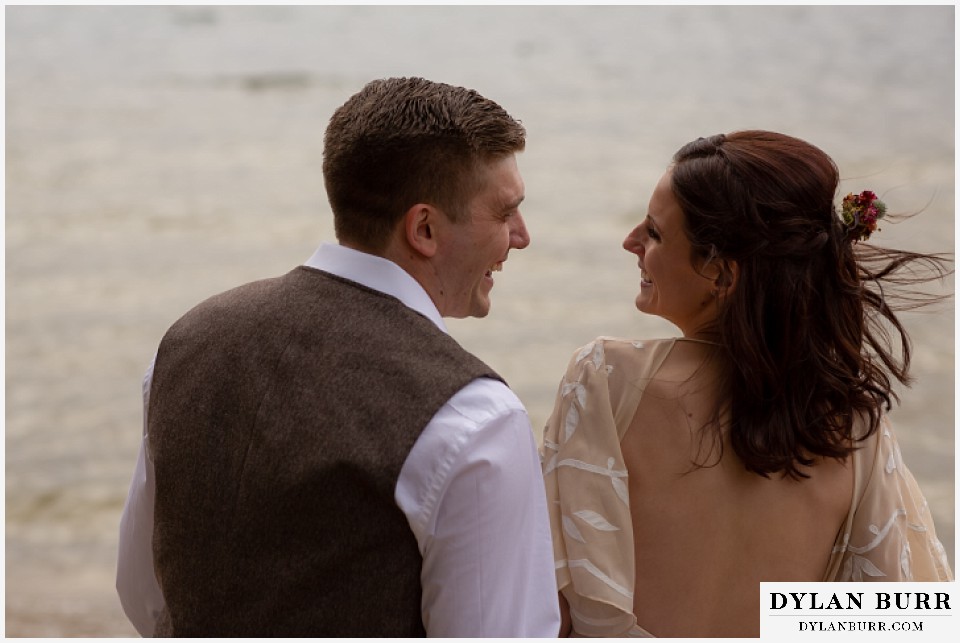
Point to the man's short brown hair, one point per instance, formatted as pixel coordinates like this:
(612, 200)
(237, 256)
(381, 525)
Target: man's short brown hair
(403, 141)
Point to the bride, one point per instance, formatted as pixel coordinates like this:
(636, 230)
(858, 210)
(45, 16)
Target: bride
(683, 472)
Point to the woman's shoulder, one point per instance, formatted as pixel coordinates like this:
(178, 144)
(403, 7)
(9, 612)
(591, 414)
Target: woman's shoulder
(609, 351)
(604, 344)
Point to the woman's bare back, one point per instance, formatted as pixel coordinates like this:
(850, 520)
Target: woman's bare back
(705, 537)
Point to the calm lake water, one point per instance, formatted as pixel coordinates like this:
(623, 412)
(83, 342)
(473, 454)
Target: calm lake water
(158, 155)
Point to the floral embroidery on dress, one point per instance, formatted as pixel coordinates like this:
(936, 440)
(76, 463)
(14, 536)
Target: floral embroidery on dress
(593, 534)
(857, 566)
(598, 573)
(570, 422)
(570, 528)
(891, 521)
(595, 520)
(619, 486)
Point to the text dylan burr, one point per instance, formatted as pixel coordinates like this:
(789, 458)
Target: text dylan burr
(855, 601)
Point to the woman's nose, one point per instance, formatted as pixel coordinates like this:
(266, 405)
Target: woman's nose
(633, 242)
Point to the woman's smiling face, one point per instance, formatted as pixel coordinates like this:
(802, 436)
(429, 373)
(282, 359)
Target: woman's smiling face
(671, 286)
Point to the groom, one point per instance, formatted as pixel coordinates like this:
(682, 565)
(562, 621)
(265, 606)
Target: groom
(320, 458)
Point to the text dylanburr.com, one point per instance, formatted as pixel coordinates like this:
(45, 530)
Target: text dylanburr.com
(812, 610)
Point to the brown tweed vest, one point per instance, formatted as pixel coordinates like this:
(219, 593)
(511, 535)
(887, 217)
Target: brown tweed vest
(280, 415)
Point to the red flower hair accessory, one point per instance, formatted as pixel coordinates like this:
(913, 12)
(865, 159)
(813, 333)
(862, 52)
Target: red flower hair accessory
(860, 213)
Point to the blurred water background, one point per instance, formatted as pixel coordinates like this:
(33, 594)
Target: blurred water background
(158, 155)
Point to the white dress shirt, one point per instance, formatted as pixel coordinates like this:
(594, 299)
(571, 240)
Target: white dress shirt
(471, 489)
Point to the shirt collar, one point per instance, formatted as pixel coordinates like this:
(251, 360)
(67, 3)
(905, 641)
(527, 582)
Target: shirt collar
(377, 273)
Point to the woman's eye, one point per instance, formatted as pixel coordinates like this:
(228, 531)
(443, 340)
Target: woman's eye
(652, 233)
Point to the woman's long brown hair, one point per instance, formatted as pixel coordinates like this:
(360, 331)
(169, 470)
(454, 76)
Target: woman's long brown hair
(810, 339)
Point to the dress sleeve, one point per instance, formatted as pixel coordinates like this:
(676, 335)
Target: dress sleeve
(889, 534)
(586, 486)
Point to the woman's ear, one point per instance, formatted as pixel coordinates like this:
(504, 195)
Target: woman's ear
(727, 278)
(723, 273)
(420, 228)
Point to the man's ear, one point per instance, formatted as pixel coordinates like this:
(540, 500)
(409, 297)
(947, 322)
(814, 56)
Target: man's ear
(420, 228)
